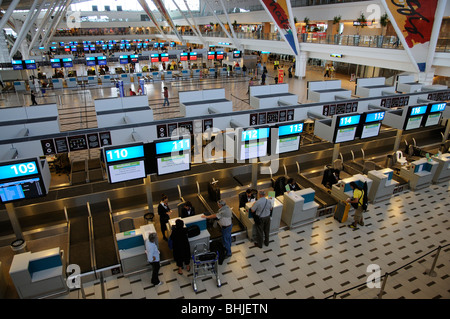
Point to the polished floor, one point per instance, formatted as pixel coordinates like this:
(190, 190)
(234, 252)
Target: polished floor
(322, 258)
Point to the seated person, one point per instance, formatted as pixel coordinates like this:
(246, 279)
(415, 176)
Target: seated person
(291, 185)
(246, 197)
(187, 210)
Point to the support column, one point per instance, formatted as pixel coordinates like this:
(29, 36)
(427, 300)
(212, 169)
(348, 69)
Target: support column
(398, 139)
(14, 221)
(254, 173)
(8, 13)
(300, 64)
(447, 131)
(148, 190)
(336, 149)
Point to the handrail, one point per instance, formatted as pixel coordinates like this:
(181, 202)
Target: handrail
(335, 294)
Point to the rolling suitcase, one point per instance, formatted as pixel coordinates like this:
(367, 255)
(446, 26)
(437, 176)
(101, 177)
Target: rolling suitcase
(341, 211)
(213, 192)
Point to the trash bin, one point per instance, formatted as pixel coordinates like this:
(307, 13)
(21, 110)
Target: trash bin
(149, 217)
(19, 246)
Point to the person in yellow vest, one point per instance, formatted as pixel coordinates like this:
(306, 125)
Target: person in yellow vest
(357, 202)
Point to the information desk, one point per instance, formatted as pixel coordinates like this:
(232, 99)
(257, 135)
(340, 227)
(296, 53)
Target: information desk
(246, 217)
(200, 240)
(342, 190)
(443, 170)
(131, 245)
(298, 207)
(382, 185)
(39, 274)
(419, 173)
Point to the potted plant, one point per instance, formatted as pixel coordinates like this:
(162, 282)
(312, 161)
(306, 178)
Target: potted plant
(305, 35)
(336, 21)
(384, 20)
(362, 22)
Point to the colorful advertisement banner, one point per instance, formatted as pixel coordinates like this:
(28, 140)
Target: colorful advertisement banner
(415, 20)
(279, 12)
(280, 75)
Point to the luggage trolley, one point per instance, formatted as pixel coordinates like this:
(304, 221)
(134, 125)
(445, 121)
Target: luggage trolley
(205, 265)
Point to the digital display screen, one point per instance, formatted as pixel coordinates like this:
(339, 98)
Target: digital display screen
(124, 153)
(253, 150)
(164, 57)
(101, 60)
(173, 146)
(219, 55)
(67, 62)
(439, 107)
(374, 117)
(55, 63)
(193, 56)
(255, 134)
(73, 48)
(370, 130)
(183, 56)
(345, 134)
(154, 58)
(123, 59)
(90, 61)
(173, 164)
(237, 54)
(413, 122)
(287, 144)
(18, 170)
(418, 110)
(349, 120)
(433, 119)
(30, 64)
(17, 64)
(121, 172)
(211, 55)
(290, 129)
(134, 58)
(22, 189)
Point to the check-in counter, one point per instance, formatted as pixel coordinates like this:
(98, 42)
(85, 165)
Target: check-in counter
(92, 79)
(131, 245)
(185, 74)
(196, 73)
(298, 207)
(342, 190)
(168, 75)
(419, 173)
(443, 170)
(125, 77)
(199, 240)
(72, 82)
(58, 83)
(382, 185)
(246, 218)
(39, 274)
(106, 80)
(156, 76)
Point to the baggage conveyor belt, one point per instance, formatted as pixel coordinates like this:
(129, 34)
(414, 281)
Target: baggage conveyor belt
(132, 194)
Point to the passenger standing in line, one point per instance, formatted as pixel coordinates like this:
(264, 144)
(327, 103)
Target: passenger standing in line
(327, 71)
(153, 258)
(261, 211)
(224, 215)
(263, 78)
(164, 214)
(166, 96)
(357, 201)
(181, 247)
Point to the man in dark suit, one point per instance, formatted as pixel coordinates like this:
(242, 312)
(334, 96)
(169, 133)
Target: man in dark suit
(246, 197)
(187, 210)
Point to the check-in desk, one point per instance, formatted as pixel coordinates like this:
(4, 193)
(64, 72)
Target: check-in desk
(131, 245)
(443, 170)
(406, 84)
(370, 87)
(199, 240)
(342, 190)
(91, 79)
(125, 77)
(419, 173)
(185, 74)
(298, 207)
(156, 76)
(58, 83)
(72, 82)
(382, 185)
(269, 96)
(39, 274)
(168, 75)
(106, 80)
(196, 73)
(246, 218)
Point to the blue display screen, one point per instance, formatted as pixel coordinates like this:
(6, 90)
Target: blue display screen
(90, 61)
(439, 107)
(101, 60)
(124, 153)
(55, 63)
(418, 110)
(290, 129)
(67, 62)
(17, 64)
(30, 64)
(124, 59)
(375, 117)
(173, 146)
(18, 170)
(255, 134)
(349, 120)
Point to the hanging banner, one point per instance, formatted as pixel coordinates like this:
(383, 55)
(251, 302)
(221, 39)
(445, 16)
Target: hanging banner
(279, 12)
(142, 85)
(280, 75)
(414, 20)
(121, 89)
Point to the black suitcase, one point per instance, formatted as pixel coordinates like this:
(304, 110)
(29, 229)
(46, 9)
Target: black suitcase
(193, 231)
(213, 192)
(217, 246)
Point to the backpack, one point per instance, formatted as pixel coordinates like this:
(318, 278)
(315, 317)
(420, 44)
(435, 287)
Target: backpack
(365, 203)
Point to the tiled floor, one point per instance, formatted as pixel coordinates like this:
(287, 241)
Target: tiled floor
(323, 258)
